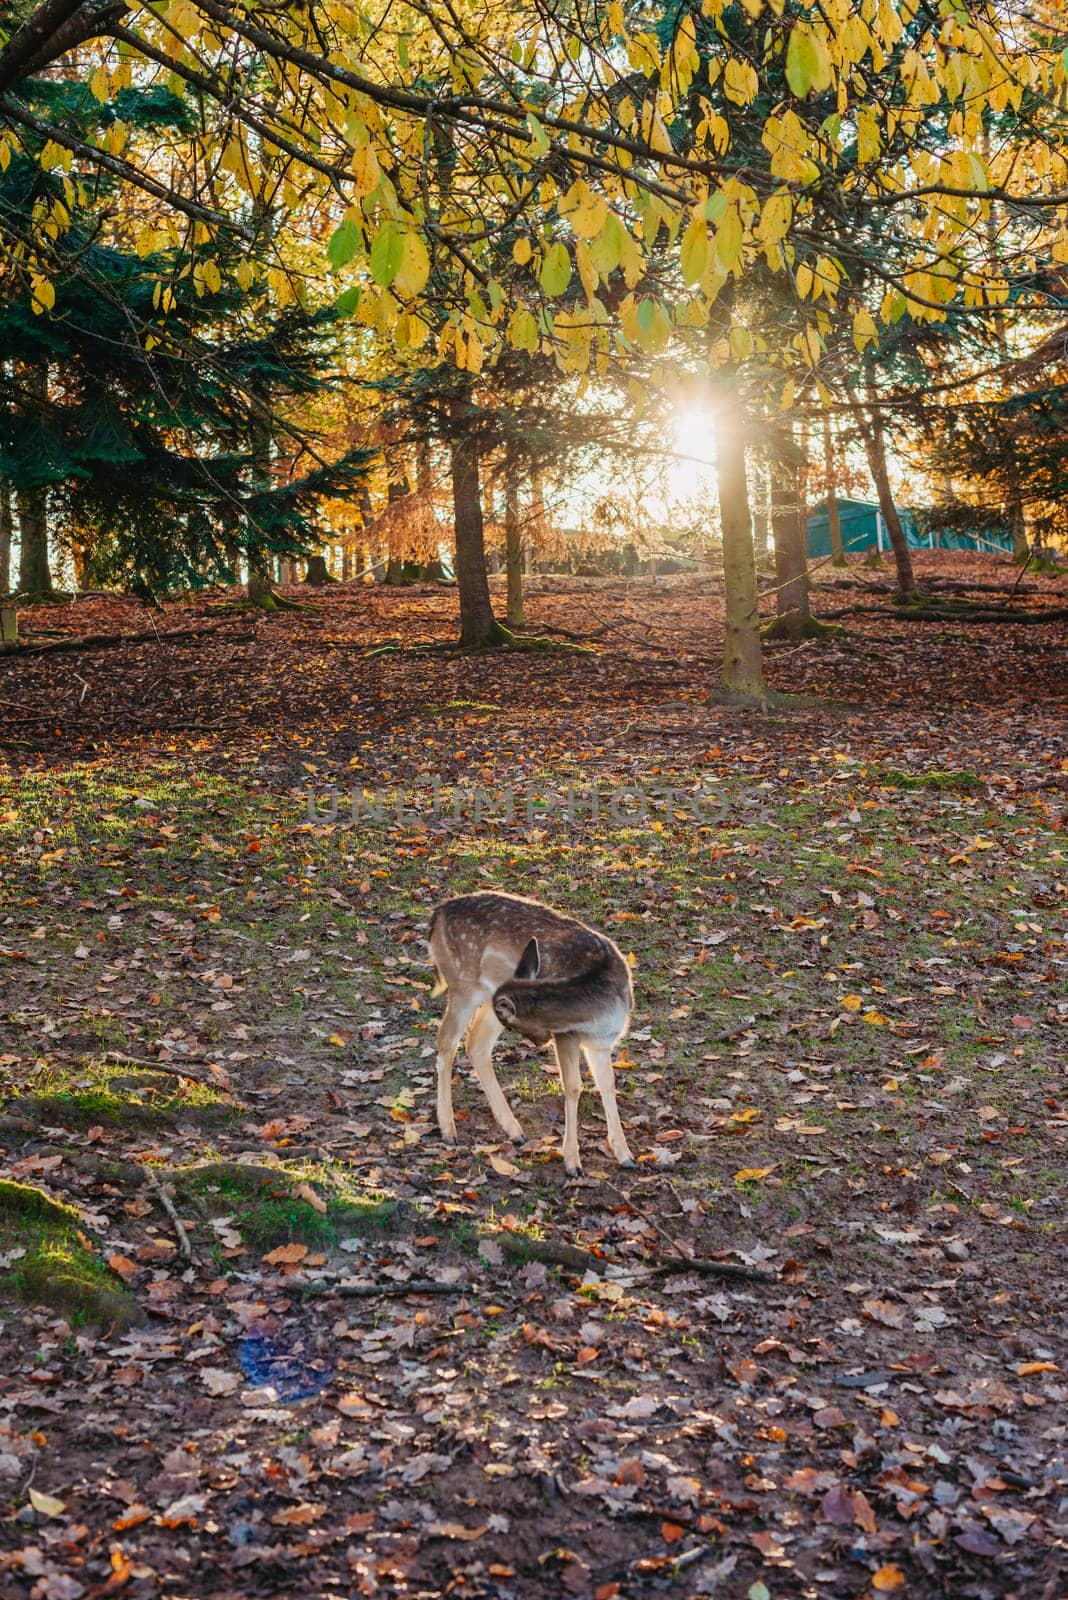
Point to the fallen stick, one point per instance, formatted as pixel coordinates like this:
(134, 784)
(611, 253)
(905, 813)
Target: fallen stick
(977, 614)
(171, 1069)
(167, 1205)
(368, 1291)
(553, 1252)
(707, 1267)
(108, 641)
(683, 1261)
(520, 1247)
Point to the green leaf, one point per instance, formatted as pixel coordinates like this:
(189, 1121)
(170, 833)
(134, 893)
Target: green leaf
(523, 331)
(348, 301)
(344, 243)
(539, 139)
(808, 66)
(715, 206)
(555, 274)
(387, 252)
(606, 248)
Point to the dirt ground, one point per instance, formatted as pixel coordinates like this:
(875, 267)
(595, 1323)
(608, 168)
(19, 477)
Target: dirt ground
(845, 1075)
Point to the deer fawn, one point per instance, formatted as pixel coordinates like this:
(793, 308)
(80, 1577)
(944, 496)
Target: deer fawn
(508, 962)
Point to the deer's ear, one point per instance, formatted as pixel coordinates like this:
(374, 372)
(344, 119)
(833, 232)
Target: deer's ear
(529, 962)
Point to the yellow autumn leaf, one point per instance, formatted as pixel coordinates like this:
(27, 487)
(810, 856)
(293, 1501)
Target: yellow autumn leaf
(44, 293)
(729, 238)
(47, 1504)
(888, 1579)
(775, 219)
(414, 269)
(753, 1174)
(864, 330)
(851, 1002)
(740, 82)
(693, 252)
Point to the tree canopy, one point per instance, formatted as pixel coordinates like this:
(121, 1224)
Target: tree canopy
(843, 143)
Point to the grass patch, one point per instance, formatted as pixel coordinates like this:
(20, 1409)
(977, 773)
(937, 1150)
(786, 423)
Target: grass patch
(50, 1262)
(120, 1095)
(267, 1212)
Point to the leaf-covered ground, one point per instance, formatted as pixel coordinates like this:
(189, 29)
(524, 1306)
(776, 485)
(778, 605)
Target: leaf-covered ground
(846, 1068)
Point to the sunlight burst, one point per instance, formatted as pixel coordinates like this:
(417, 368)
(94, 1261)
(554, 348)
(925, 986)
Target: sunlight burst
(692, 474)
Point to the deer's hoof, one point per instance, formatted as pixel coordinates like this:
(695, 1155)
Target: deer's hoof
(575, 1171)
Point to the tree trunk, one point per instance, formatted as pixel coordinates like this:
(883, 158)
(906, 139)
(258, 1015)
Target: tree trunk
(513, 548)
(260, 588)
(260, 560)
(536, 529)
(6, 528)
(834, 519)
(792, 609)
(1017, 518)
(478, 626)
(35, 578)
(743, 673)
(398, 484)
(318, 572)
(875, 447)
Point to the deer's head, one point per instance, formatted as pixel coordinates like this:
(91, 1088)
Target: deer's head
(516, 1003)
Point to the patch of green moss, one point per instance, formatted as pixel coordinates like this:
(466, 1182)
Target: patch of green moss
(963, 781)
(52, 1263)
(266, 1211)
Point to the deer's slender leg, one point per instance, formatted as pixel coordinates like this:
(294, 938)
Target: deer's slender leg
(485, 1031)
(462, 1005)
(569, 1062)
(600, 1059)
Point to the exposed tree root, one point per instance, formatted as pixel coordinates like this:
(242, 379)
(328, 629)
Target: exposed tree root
(977, 614)
(740, 698)
(930, 610)
(271, 600)
(794, 627)
(501, 638)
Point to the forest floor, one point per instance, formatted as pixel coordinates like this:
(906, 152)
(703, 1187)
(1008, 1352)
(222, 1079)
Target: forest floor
(845, 1070)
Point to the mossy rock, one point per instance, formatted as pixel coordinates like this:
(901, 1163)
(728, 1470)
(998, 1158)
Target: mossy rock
(267, 1212)
(51, 1262)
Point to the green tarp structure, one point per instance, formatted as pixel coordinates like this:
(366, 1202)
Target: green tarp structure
(863, 526)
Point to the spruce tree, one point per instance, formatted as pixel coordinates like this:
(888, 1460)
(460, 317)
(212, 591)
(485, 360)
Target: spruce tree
(149, 435)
